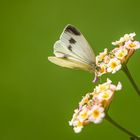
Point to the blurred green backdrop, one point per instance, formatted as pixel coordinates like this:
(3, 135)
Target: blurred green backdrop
(37, 98)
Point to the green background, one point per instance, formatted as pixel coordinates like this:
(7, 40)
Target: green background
(37, 98)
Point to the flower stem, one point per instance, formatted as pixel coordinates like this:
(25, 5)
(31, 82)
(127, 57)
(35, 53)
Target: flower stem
(108, 118)
(128, 74)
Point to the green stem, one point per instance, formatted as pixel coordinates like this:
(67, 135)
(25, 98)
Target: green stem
(128, 74)
(108, 118)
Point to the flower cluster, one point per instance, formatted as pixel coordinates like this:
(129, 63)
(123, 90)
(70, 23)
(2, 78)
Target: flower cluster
(111, 62)
(93, 105)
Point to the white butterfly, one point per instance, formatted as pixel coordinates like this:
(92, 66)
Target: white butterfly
(73, 51)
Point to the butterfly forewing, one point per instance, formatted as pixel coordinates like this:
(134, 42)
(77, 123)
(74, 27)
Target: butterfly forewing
(77, 44)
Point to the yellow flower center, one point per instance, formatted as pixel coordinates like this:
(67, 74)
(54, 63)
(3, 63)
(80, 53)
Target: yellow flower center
(102, 70)
(113, 65)
(105, 95)
(84, 115)
(103, 87)
(132, 45)
(120, 55)
(86, 101)
(96, 113)
(79, 124)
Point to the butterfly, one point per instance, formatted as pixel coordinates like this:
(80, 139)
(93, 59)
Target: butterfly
(73, 51)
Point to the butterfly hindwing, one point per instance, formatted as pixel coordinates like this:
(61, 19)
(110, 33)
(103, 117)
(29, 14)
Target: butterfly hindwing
(72, 64)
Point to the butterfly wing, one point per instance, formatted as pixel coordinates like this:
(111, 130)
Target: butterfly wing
(72, 64)
(73, 47)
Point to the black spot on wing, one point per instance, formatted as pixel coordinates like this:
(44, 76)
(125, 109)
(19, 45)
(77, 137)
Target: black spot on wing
(70, 47)
(72, 41)
(71, 29)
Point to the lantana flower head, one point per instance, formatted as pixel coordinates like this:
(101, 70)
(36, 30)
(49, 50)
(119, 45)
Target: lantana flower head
(111, 62)
(124, 39)
(93, 106)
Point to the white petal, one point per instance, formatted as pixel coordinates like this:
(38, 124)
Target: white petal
(70, 123)
(77, 129)
(101, 109)
(119, 86)
(103, 115)
(109, 69)
(109, 81)
(98, 120)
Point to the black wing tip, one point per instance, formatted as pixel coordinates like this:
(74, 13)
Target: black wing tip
(71, 29)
